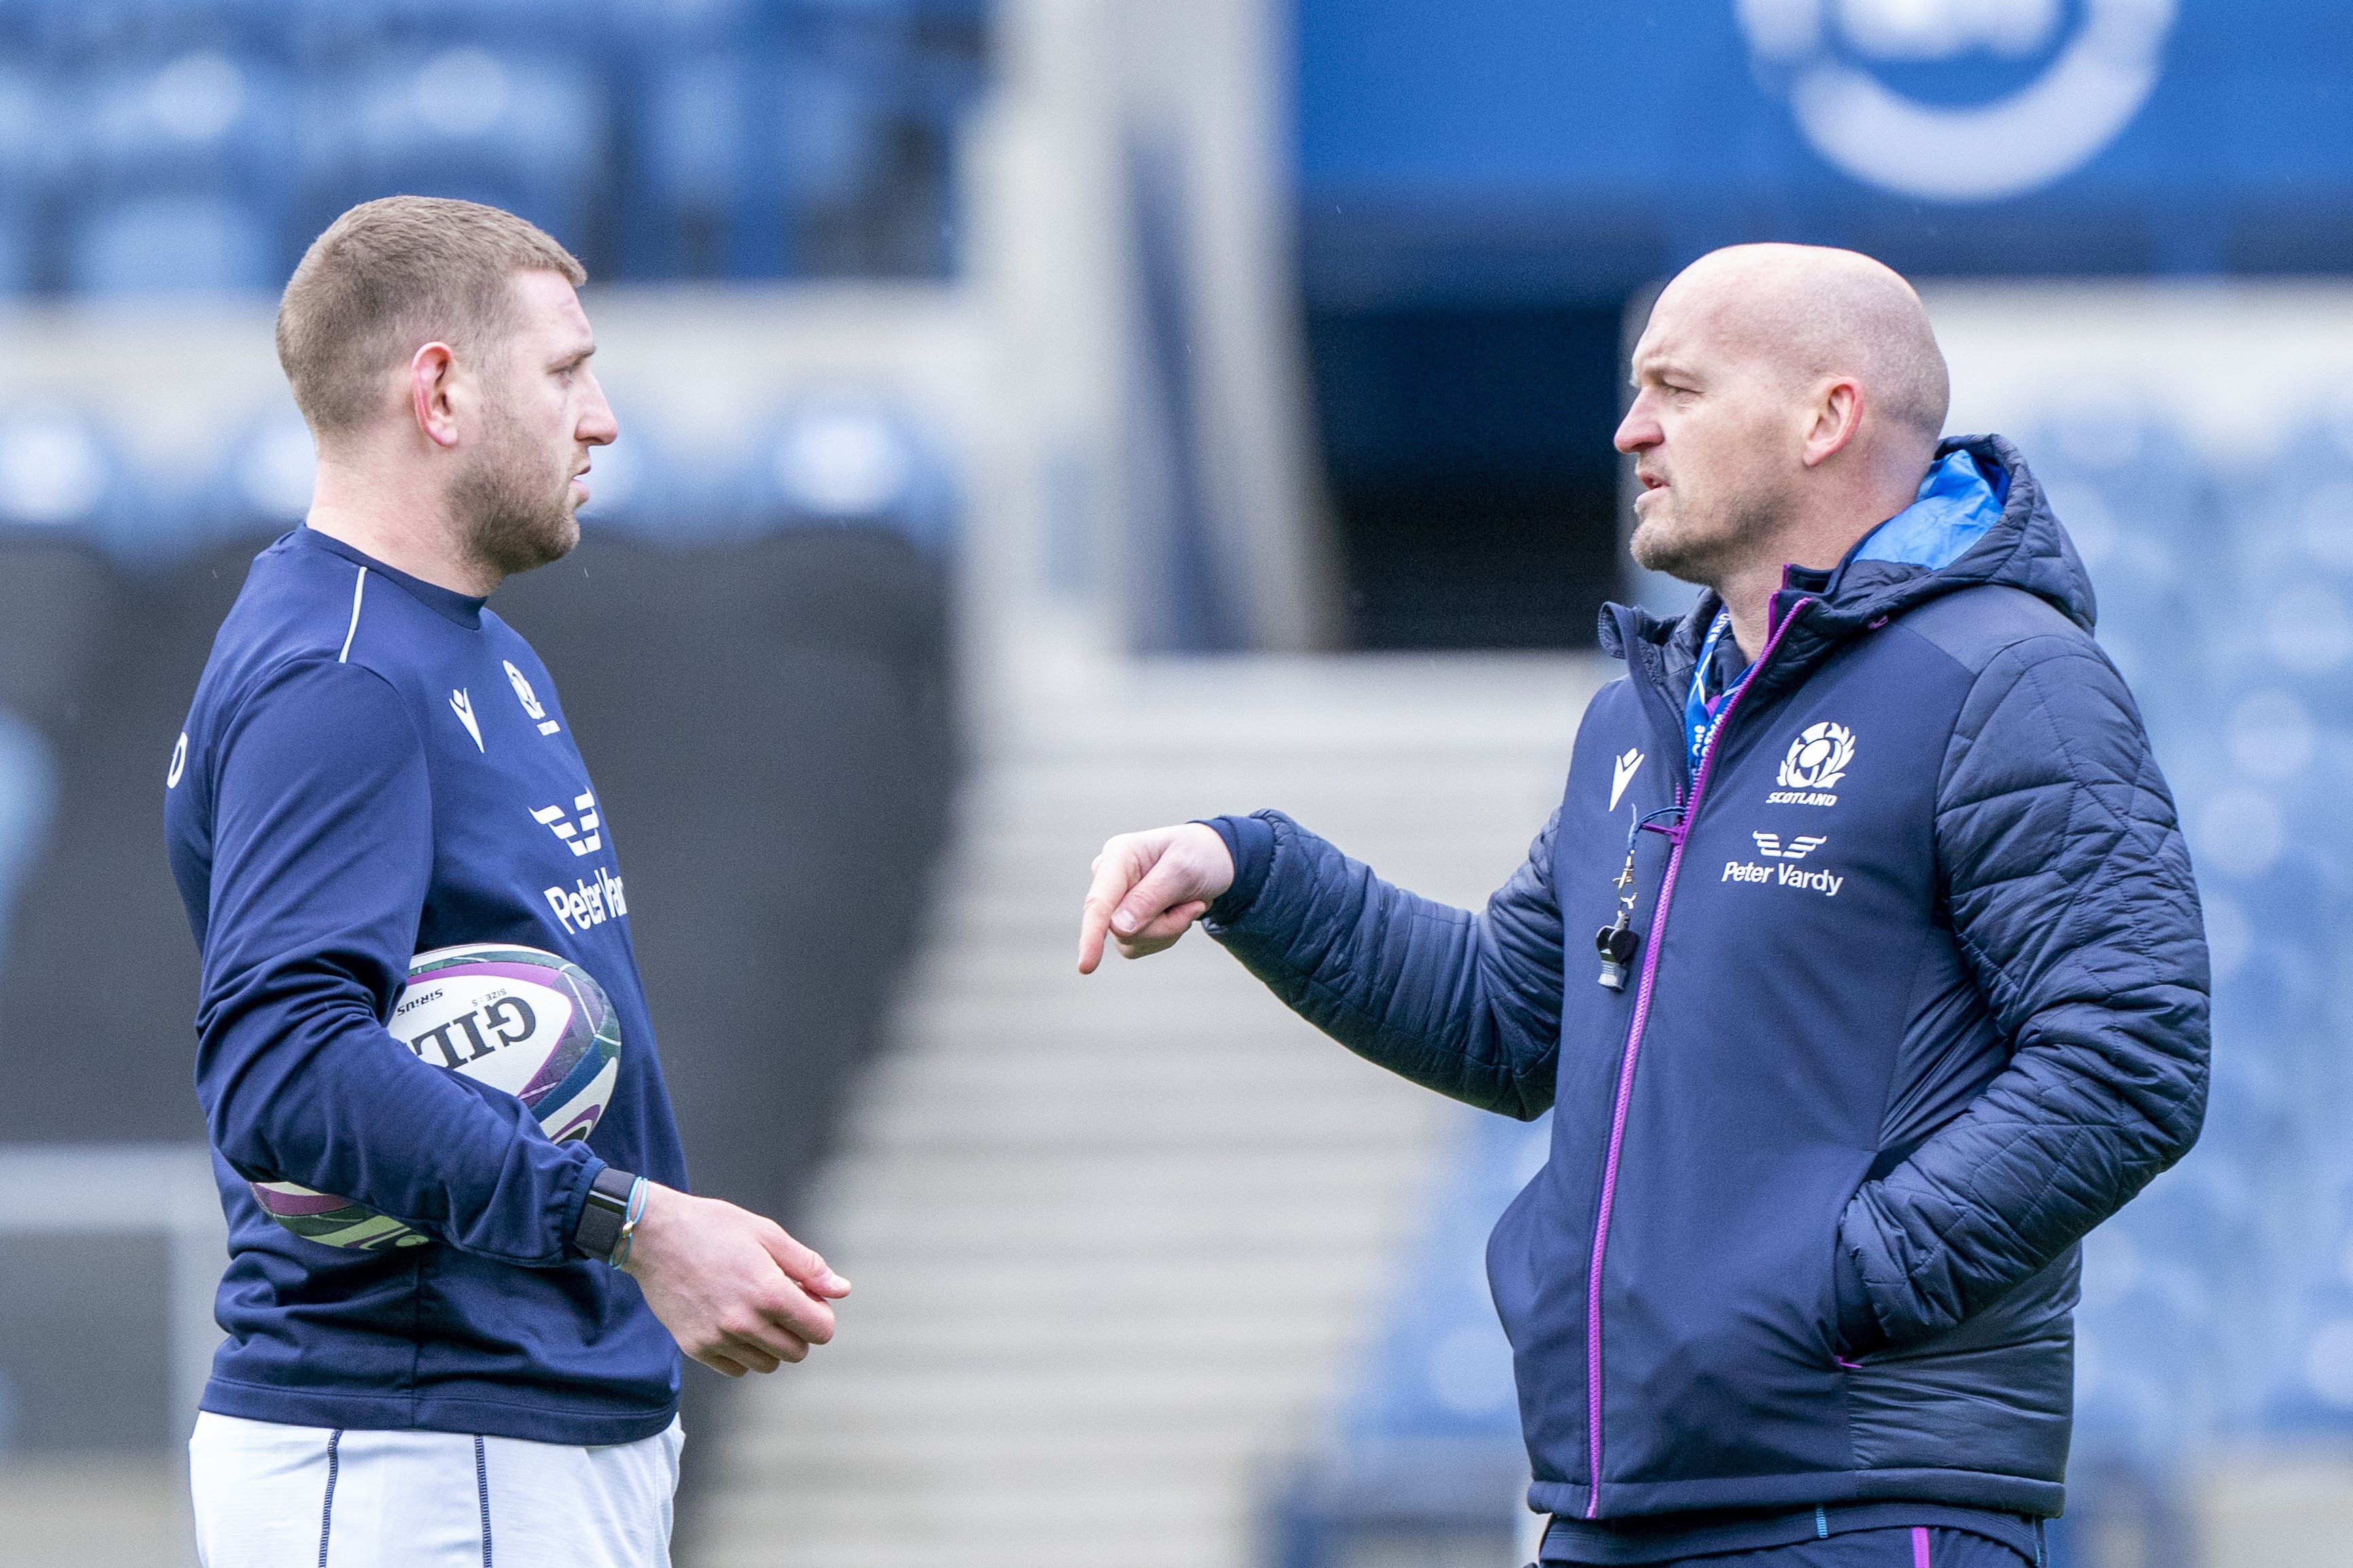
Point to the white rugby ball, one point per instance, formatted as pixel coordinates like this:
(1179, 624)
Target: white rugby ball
(516, 1019)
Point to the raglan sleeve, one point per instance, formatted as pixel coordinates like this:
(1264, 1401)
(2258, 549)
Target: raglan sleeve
(322, 852)
(1465, 1002)
(2071, 898)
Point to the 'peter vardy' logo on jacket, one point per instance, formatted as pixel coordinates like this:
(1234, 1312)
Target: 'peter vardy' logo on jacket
(1770, 845)
(1786, 874)
(1818, 759)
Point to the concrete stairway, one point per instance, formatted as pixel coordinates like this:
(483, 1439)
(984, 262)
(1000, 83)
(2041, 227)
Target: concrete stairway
(1113, 1238)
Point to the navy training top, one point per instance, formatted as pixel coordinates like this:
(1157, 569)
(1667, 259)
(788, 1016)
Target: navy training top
(374, 767)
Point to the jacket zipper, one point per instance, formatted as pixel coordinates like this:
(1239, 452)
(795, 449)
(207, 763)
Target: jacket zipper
(1679, 832)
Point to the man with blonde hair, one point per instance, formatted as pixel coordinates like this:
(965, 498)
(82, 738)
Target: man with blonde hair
(366, 773)
(1859, 967)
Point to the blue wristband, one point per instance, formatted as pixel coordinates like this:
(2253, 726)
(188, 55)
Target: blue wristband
(636, 1211)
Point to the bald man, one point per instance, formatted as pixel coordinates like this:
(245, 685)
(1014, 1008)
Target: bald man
(1860, 966)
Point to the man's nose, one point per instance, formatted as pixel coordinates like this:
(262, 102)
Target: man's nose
(1638, 430)
(598, 427)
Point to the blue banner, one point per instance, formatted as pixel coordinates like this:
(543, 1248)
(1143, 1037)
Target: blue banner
(1501, 150)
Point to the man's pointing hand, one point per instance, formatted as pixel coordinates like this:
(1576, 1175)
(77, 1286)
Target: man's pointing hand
(1149, 887)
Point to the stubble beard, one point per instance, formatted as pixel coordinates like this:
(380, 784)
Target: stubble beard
(1706, 550)
(514, 511)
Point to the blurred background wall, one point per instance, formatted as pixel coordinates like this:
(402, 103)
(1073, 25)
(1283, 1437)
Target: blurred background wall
(1046, 416)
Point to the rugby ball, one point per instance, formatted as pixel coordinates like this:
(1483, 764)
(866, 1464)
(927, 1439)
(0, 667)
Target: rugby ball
(516, 1019)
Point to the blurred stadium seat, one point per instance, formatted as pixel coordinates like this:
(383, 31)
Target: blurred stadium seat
(804, 138)
(2140, 505)
(635, 485)
(27, 796)
(62, 474)
(26, 174)
(703, 200)
(178, 174)
(1442, 1369)
(160, 244)
(200, 144)
(514, 22)
(833, 459)
(522, 130)
(844, 459)
(262, 485)
(79, 33)
(56, 472)
(1426, 1463)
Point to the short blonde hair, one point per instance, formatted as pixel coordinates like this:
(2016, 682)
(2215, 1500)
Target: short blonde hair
(390, 276)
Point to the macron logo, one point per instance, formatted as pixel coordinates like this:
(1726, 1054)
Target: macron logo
(463, 707)
(1621, 773)
(584, 839)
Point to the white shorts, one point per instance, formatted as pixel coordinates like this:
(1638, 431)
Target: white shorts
(270, 1495)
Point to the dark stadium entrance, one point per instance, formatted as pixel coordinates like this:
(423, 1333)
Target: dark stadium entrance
(1467, 454)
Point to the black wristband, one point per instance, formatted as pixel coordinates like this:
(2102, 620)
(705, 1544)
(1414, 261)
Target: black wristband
(602, 1215)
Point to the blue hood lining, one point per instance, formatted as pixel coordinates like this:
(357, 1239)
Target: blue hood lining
(1959, 503)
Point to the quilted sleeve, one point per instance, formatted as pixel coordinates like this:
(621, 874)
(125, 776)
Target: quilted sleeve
(1463, 1002)
(2071, 896)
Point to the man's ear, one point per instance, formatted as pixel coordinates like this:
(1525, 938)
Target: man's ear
(432, 376)
(1837, 415)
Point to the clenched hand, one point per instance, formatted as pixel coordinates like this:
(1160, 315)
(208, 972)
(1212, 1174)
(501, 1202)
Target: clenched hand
(736, 1292)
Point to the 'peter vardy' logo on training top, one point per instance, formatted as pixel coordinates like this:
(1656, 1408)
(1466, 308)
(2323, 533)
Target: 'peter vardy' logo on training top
(1958, 100)
(586, 902)
(1818, 759)
(580, 838)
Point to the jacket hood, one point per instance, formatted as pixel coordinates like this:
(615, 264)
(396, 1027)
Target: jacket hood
(2027, 549)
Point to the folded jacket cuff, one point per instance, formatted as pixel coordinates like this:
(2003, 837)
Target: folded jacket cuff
(1250, 841)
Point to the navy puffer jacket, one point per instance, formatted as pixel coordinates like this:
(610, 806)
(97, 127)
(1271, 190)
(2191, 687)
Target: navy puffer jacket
(1920, 1000)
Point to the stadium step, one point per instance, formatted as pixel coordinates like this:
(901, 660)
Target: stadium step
(1115, 1237)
